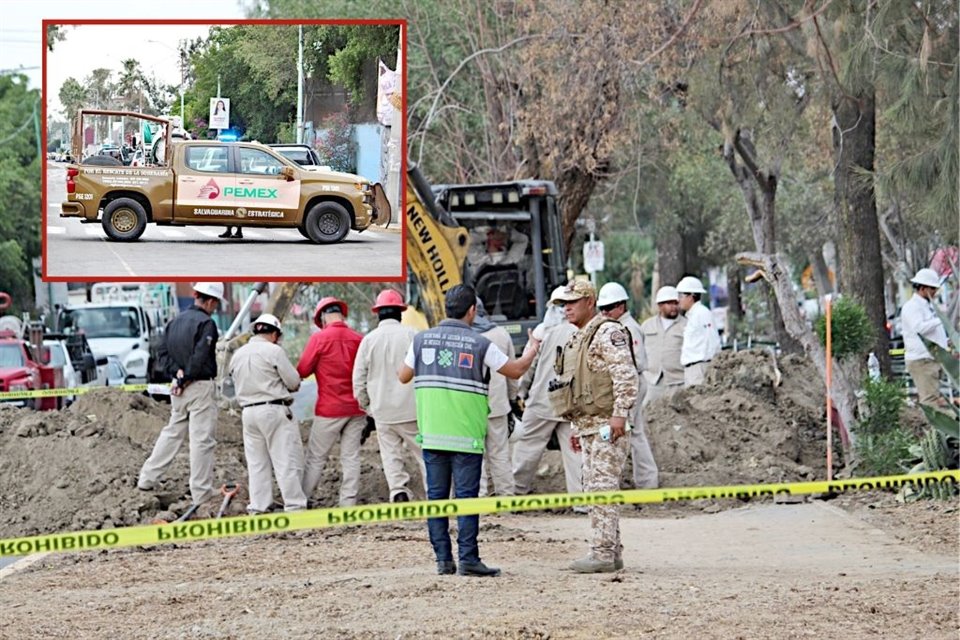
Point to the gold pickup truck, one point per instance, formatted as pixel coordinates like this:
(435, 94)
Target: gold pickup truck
(205, 182)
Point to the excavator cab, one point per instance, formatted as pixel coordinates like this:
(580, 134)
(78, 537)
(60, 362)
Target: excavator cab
(515, 255)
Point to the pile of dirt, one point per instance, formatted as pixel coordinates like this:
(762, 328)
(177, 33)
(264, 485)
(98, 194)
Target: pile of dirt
(738, 427)
(77, 468)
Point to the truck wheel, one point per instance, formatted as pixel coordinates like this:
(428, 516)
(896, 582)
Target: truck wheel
(124, 220)
(327, 222)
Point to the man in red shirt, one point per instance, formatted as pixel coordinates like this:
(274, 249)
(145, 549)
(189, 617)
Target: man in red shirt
(329, 357)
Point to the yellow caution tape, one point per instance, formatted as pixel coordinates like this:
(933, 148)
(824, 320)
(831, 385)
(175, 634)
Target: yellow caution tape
(393, 512)
(76, 391)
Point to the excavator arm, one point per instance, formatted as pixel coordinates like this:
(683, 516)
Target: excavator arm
(436, 248)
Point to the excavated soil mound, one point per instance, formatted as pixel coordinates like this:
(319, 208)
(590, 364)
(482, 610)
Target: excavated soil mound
(77, 468)
(738, 427)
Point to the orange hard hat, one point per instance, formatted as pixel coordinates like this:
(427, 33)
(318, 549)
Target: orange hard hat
(328, 302)
(388, 298)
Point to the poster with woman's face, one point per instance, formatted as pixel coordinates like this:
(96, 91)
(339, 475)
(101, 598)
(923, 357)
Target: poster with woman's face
(219, 113)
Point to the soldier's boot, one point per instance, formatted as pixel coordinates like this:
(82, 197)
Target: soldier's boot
(238, 233)
(590, 564)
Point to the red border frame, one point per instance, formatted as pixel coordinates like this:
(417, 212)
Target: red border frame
(401, 22)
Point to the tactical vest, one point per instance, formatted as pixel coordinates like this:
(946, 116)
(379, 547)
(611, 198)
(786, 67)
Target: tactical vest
(451, 384)
(577, 391)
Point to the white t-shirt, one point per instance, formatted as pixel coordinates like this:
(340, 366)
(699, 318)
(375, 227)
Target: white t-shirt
(917, 318)
(701, 340)
(494, 358)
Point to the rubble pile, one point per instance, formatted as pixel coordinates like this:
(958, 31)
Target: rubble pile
(77, 468)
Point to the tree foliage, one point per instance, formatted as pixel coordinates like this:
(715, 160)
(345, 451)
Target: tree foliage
(19, 188)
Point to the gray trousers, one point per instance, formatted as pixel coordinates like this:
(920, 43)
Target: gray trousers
(496, 459)
(530, 441)
(393, 440)
(194, 412)
(272, 445)
(324, 433)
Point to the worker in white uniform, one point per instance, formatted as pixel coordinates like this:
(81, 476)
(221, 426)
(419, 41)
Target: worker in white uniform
(265, 379)
(662, 344)
(918, 318)
(390, 403)
(612, 302)
(701, 340)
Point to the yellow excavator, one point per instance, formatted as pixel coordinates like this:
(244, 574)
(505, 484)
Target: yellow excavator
(503, 239)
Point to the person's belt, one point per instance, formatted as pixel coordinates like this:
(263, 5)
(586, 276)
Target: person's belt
(697, 362)
(285, 403)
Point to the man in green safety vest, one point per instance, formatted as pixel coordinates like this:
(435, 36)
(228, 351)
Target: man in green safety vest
(450, 366)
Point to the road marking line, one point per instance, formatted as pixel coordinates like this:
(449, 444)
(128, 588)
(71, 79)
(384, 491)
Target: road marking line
(56, 230)
(171, 233)
(287, 233)
(92, 231)
(208, 232)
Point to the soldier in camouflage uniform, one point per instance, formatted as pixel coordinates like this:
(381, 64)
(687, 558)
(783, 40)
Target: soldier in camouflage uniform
(608, 356)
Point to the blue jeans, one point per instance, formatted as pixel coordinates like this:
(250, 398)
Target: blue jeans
(463, 470)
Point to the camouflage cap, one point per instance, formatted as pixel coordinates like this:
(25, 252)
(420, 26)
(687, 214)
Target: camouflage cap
(575, 290)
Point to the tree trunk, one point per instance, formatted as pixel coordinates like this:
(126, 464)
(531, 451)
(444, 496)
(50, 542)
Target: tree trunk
(821, 272)
(670, 258)
(762, 214)
(735, 302)
(861, 261)
(576, 187)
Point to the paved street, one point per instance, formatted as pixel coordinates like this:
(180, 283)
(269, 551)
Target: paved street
(74, 249)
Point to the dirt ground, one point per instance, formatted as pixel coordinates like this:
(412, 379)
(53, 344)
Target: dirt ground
(862, 565)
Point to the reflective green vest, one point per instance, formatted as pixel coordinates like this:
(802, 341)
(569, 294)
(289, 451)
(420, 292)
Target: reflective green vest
(451, 384)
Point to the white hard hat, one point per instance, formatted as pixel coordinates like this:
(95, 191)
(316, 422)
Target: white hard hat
(212, 289)
(270, 320)
(611, 293)
(690, 285)
(927, 278)
(557, 292)
(667, 294)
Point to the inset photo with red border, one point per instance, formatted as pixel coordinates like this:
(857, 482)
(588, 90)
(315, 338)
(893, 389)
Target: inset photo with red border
(188, 150)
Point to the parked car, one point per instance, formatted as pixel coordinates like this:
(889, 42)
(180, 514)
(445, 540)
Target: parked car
(114, 372)
(302, 154)
(60, 358)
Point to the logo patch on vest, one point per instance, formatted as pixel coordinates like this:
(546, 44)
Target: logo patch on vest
(465, 360)
(428, 355)
(618, 339)
(446, 358)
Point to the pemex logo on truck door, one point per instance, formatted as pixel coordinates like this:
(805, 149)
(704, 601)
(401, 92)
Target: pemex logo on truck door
(242, 191)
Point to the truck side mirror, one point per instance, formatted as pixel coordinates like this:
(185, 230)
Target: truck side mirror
(102, 361)
(288, 173)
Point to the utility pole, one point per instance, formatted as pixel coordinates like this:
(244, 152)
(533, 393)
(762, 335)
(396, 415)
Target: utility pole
(218, 97)
(300, 85)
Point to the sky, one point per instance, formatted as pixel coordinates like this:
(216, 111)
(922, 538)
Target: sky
(88, 47)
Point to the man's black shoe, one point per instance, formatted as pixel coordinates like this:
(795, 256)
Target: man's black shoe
(401, 497)
(225, 234)
(477, 569)
(446, 567)
(238, 233)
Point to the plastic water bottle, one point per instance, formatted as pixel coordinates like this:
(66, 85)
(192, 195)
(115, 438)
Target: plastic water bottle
(873, 366)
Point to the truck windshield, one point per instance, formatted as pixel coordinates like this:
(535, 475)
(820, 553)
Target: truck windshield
(11, 356)
(103, 322)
